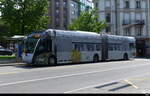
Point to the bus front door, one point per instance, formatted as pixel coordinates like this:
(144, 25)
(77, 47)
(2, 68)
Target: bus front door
(42, 52)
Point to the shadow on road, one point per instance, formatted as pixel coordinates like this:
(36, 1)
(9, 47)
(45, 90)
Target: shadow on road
(121, 87)
(26, 66)
(107, 85)
(44, 66)
(116, 88)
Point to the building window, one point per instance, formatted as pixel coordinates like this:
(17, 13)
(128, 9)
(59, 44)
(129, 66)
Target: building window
(107, 3)
(56, 25)
(73, 5)
(96, 5)
(108, 17)
(65, 26)
(57, 11)
(108, 29)
(126, 18)
(126, 22)
(139, 30)
(138, 4)
(127, 32)
(127, 4)
(65, 3)
(57, 4)
(73, 12)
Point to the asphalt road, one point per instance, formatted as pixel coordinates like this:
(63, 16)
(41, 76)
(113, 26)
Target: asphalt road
(131, 76)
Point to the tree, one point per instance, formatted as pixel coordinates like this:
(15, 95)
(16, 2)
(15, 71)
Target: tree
(88, 21)
(24, 16)
(3, 30)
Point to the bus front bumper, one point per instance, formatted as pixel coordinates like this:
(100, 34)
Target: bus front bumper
(27, 58)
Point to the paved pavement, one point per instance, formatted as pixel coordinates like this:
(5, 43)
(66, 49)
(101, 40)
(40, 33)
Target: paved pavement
(132, 85)
(105, 77)
(10, 62)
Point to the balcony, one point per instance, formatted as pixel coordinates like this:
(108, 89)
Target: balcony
(133, 22)
(140, 22)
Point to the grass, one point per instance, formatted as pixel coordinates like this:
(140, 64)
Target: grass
(7, 57)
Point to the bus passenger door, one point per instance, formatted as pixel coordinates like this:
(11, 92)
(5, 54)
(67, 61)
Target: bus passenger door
(104, 48)
(42, 52)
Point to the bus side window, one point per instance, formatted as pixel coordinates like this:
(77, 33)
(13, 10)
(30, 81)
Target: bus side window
(115, 47)
(82, 47)
(79, 47)
(75, 47)
(98, 47)
(118, 47)
(90, 47)
(110, 47)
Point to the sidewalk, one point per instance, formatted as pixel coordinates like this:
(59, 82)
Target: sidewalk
(10, 62)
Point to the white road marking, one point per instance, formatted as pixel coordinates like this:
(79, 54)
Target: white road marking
(129, 82)
(26, 81)
(62, 76)
(4, 73)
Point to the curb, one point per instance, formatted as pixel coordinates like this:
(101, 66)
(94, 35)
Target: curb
(11, 64)
(8, 61)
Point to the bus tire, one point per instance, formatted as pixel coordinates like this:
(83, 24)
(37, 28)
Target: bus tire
(96, 58)
(52, 61)
(125, 56)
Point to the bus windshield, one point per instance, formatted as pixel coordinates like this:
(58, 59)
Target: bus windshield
(30, 44)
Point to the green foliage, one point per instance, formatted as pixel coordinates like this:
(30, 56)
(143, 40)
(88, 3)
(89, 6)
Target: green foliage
(88, 21)
(24, 16)
(3, 30)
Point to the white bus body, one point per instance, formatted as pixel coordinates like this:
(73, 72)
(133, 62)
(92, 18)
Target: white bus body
(118, 47)
(60, 46)
(66, 45)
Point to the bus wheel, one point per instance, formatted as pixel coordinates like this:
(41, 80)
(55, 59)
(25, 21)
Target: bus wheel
(95, 58)
(52, 61)
(125, 57)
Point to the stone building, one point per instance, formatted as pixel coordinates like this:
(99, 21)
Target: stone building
(127, 18)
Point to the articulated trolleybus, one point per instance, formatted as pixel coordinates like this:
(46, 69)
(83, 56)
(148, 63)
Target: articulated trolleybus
(50, 47)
